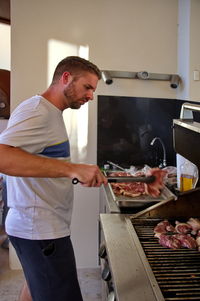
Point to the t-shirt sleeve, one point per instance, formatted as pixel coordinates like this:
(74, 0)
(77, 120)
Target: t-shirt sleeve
(27, 130)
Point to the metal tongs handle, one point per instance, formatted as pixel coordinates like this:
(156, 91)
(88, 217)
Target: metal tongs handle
(75, 181)
(148, 180)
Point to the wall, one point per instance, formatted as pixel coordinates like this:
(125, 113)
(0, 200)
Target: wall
(188, 49)
(184, 48)
(5, 46)
(194, 50)
(4, 58)
(130, 35)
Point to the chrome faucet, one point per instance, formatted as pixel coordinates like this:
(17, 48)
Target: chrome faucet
(164, 162)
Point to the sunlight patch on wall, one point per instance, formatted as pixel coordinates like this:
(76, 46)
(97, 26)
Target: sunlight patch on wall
(5, 50)
(76, 121)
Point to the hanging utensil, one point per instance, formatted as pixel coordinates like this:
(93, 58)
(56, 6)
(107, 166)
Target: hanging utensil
(116, 165)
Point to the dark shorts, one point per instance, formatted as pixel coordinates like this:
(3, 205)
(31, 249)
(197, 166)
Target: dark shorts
(49, 267)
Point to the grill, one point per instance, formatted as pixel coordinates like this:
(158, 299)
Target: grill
(141, 268)
(177, 272)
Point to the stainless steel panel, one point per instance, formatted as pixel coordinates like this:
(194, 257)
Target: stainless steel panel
(188, 124)
(130, 277)
(186, 133)
(187, 141)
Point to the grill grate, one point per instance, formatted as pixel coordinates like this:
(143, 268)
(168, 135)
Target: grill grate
(176, 271)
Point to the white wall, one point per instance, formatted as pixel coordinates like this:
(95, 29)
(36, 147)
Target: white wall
(129, 35)
(188, 49)
(5, 46)
(184, 48)
(4, 58)
(194, 49)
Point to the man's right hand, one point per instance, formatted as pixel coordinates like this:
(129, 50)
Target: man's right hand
(88, 175)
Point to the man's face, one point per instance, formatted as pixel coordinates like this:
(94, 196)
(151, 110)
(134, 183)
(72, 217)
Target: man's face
(80, 90)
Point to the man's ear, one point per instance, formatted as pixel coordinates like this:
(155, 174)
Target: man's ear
(66, 77)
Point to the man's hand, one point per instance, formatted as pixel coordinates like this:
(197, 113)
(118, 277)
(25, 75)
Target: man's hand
(17, 162)
(88, 175)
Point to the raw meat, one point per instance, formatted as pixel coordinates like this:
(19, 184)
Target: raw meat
(182, 228)
(128, 189)
(120, 174)
(169, 241)
(186, 240)
(154, 188)
(138, 188)
(163, 227)
(178, 236)
(195, 224)
(198, 242)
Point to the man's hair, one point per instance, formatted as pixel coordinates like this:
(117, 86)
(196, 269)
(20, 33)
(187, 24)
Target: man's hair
(75, 65)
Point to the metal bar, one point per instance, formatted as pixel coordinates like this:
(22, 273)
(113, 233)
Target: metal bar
(142, 212)
(182, 299)
(192, 286)
(176, 270)
(186, 108)
(130, 179)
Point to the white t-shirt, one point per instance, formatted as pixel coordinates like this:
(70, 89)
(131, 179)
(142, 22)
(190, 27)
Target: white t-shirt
(40, 208)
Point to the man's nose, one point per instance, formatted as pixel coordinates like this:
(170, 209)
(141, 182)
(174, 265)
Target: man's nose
(90, 95)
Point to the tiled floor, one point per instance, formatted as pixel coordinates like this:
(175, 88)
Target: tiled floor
(11, 280)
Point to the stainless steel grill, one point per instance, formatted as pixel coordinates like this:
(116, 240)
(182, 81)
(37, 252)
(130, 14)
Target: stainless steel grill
(141, 268)
(177, 271)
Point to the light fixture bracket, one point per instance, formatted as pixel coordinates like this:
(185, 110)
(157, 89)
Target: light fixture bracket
(108, 75)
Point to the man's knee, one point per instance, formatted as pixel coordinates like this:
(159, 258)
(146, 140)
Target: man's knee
(25, 293)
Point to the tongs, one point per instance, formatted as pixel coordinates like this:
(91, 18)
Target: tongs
(129, 179)
(121, 179)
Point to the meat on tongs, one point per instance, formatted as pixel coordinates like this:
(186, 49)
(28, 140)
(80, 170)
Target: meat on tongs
(155, 187)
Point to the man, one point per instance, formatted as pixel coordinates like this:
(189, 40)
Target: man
(35, 156)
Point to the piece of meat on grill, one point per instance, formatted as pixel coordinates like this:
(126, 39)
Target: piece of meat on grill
(163, 227)
(195, 224)
(182, 228)
(169, 241)
(198, 242)
(198, 239)
(186, 240)
(155, 187)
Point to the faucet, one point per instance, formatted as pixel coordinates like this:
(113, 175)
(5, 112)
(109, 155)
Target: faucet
(164, 162)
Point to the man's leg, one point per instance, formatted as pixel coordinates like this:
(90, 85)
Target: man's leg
(49, 267)
(25, 293)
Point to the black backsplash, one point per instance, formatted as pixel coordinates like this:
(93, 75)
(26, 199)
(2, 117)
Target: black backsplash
(127, 125)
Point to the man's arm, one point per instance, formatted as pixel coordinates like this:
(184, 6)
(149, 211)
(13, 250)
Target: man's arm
(17, 162)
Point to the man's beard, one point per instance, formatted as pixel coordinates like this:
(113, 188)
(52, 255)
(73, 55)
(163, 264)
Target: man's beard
(71, 97)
